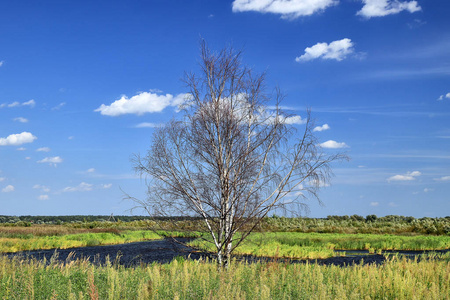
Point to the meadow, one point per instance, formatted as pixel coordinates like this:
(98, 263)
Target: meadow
(426, 277)
(397, 278)
(296, 245)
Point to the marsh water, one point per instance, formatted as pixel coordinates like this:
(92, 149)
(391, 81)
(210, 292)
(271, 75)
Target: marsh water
(164, 251)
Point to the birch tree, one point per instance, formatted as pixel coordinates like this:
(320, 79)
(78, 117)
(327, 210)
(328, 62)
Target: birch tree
(233, 156)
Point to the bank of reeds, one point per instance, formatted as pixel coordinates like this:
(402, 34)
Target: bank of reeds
(31, 242)
(397, 278)
(298, 245)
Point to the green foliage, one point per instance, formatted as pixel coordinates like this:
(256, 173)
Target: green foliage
(357, 224)
(14, 244)
(398, 278)
(332, 224)
(321, 245)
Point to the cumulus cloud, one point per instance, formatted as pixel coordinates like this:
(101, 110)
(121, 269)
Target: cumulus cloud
(21, 120)
(43, 197)
(30, 103)
(293, 120)
(17, 139)
(8, 189)
(53, 161)
(145, 102)
(409, 176)
(43, 149)
(333, 145)
(106, 186)
(442, 97)
(380, 8)
(443, 178)
(337, 50)
(82, 187)
(287, 9)
(321, 128)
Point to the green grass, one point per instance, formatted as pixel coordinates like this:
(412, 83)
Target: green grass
(398, 278)
(320, 245)
(30, 242)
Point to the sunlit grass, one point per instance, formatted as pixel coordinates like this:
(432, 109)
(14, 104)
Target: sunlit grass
(321, 245)
(74, 240)
(398, 278)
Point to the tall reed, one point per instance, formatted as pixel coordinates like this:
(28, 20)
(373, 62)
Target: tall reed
(398, 278)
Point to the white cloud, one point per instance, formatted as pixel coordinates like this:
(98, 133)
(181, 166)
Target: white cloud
(321, 128)
(443, 178)
(59, 106)
(1, 63)
(21, 149)
(319, 183)
(2, 179)
(43, 197)
(409, 176)
(145, 102)
(333, 145)
(14, 104)
(91, 170)
(293, 120)
(21, 120)
(446, 96)
(82, 187)
(337, 50)
(147, 125)
(287, 9)
(30, 103)
(380, 8)
(426, 190)
(43, 149)
(392, 204)
(44, 188)
(17, 139)
(106, 186)
(8, 189)
(53, 161)
(374, 203)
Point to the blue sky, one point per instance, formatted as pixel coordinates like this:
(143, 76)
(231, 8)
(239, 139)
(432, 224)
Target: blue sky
(83, 83)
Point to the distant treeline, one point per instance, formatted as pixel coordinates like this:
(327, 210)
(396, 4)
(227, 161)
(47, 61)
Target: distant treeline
(85, 219)
(112, 218)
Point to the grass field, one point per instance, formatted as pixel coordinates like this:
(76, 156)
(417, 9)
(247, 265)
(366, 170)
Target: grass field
(13, 239)
(321, 245)
(398, 278)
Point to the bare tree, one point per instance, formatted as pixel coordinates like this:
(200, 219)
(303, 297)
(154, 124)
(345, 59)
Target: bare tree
(232, 158)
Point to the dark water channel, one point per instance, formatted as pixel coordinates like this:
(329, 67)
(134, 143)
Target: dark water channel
(164, 251)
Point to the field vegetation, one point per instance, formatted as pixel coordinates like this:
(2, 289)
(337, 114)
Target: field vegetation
(426, 277)
(297, 245)
(391, 224)
(35, 238)
(398, 278)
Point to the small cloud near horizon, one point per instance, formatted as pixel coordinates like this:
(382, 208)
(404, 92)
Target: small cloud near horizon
(337, 50)
(333, 145)
(409, 176)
